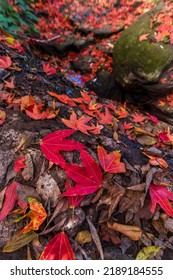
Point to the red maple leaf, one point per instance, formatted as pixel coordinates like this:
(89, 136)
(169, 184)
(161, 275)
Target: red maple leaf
(153, 118)
(19, 164)
(110, 162)
(63, 98)
(35, 112)
(138, 118)
(88, 177)
(59, 248)
(127, 125)
(5, 62)
(11, 197)
(54, 142)
(48, 69)
(79, 124)
(163, 136)
(74, 201)
(161, 195)
(105, 118)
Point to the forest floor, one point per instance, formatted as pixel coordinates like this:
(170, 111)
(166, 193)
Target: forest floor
(120, 159)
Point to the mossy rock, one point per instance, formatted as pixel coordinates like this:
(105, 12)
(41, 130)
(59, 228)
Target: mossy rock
(140, 63)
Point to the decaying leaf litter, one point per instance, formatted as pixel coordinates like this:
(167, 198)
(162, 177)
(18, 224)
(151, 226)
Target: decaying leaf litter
(74, 164)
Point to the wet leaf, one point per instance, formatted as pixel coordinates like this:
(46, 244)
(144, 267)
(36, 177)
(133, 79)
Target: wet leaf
(147, 253)
(18, 241)
(59, 248)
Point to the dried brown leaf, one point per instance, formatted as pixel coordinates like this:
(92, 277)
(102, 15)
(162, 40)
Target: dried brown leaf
(95, 238)
(133, 232)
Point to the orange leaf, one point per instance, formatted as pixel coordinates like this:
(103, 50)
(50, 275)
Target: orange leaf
(133, 232)
(143, 37)
(5, 62)
(110, 162)
(138, 118)
(35, 112)
(105, 118)
(48, 69)
(37, 214)
(59, 248)
(79, 124)
(122, 113)
(2, 117)
(63, 98)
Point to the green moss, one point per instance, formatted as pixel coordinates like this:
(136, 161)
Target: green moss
(144, 59)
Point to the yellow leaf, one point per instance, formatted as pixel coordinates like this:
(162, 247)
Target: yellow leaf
(83, 237)
(37, 214)
(147, 253)
(10, 40)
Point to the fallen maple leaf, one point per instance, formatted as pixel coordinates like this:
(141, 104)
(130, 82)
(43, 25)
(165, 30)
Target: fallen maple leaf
(138, 118)
(105, 118)
(48, 69)
(54, 142)
(127, 126)
(110, 162)
(59, 248)
(153, 118)
(19, 164)
(37, 214)
(35, 112)
(74, 201)
(11, 197)
(143, 37)
(5, 62)
(161, 195)
(163, 136)
(122, 113)
(80, 124)
(88, 178)
(63, 98)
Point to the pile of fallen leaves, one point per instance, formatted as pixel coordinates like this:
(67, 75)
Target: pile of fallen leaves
(103, 188)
